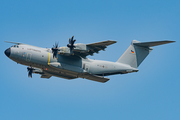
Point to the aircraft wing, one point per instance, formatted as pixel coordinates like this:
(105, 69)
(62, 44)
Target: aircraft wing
(45, 76)
(94, 48)
(69, 74)
(95, 78)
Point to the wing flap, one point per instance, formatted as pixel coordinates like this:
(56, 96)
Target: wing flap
(95, 78)
(103, 43)
(45, 76)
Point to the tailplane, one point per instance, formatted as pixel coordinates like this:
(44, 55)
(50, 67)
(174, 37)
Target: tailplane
(138, 51)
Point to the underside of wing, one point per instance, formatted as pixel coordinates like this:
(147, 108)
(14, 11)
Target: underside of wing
(45, 76)
(63, 75)
(58, 71)
(95, 78)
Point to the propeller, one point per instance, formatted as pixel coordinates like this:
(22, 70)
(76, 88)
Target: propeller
(71, 43)
(30, 71)
(55, 50)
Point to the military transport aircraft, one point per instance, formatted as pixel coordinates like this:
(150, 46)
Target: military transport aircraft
(71, 62)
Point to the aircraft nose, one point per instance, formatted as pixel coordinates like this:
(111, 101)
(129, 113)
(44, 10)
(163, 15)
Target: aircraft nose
(7, 52)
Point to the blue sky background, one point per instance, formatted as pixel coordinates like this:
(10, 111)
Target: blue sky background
(151, 94)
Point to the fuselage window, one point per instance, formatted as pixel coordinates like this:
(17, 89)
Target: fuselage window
(15, 46)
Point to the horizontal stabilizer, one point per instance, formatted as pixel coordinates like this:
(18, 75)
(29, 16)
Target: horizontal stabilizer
(151, 44)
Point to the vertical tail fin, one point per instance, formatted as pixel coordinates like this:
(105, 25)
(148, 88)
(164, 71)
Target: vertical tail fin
(138, 51)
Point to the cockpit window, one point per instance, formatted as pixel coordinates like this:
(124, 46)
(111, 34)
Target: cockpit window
(15, 46)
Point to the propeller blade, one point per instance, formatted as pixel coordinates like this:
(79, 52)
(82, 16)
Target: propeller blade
(30, 71)
(71, 43)
(69, 40)
(72, 38)
(55, 50)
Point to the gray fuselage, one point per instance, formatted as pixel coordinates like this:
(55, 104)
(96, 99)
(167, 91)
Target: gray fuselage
(42, 58)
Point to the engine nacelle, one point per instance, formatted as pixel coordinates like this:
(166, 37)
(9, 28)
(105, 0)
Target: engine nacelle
(78, 47)
(64, 51)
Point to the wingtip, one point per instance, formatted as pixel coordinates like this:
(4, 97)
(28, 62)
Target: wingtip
(113, 41)
(169, 41)
(13, 42)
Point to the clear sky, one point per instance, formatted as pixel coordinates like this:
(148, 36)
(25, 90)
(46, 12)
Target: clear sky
(151, 94)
